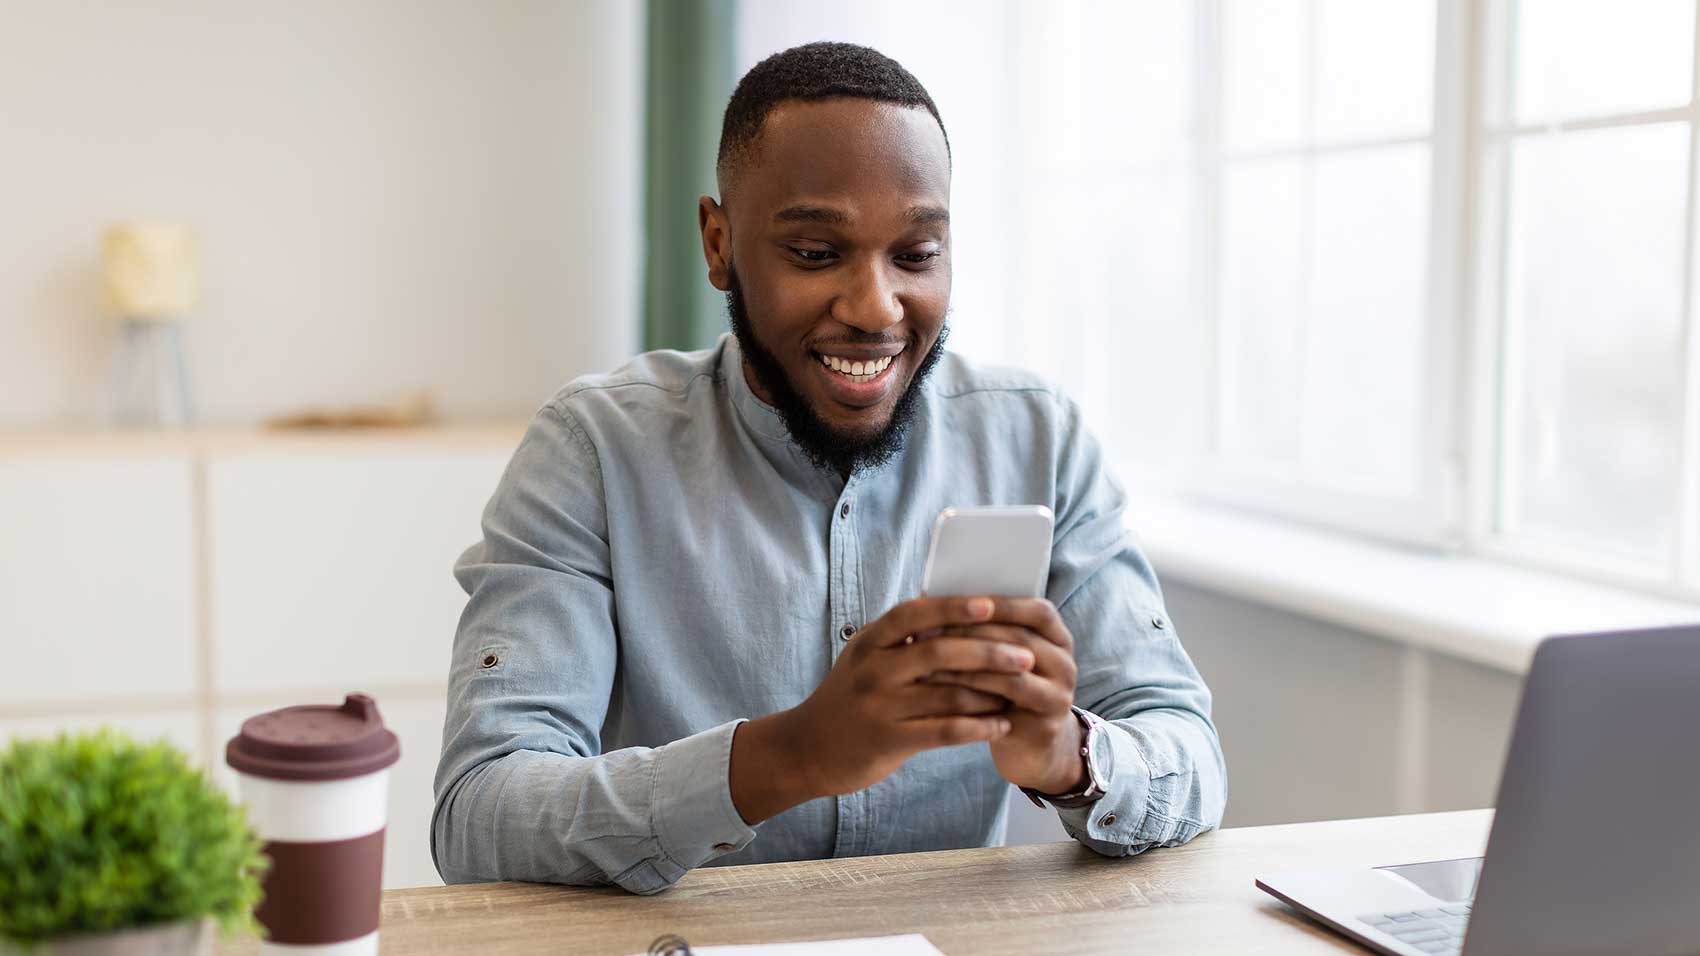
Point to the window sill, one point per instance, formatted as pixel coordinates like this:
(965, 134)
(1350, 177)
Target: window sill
(1476, 609)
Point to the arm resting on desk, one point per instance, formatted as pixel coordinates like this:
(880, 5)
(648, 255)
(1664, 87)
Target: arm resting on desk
(1168, 782)
(523, 789)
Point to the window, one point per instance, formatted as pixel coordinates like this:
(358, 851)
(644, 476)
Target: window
(1589, 146)
(1322, 168)
(1421, 269)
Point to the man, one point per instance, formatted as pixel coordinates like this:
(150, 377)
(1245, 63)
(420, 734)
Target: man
(693, 635)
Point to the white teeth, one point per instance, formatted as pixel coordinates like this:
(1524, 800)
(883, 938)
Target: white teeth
(857, 371)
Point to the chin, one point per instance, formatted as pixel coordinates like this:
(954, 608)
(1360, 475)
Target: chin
(863, 426)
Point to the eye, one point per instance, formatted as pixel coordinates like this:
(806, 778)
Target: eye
(813, 255)
(917, 258)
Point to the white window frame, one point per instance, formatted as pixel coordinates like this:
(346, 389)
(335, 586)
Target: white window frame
(1432, 517)
(1492, 391)
(1464, 497)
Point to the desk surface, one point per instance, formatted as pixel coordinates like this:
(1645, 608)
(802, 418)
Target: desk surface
(1033, 899)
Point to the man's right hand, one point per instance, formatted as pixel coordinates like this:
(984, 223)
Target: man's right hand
(873, 712)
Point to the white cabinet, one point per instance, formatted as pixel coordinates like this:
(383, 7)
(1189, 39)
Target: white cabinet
(172, 585)
(97, 570)
(332, 570)
(180, 728)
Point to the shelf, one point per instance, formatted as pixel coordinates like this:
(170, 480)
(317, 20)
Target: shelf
(241, 439)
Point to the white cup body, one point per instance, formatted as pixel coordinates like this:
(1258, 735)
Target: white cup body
(316, 811)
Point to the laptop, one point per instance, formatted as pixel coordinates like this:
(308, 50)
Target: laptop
(1595, 847)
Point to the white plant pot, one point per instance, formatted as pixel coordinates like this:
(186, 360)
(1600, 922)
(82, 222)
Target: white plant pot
(167, 939)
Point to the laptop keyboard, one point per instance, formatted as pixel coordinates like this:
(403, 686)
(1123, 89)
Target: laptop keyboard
(1440, 930)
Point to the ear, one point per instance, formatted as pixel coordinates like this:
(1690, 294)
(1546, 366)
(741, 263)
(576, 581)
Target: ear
(716, 241)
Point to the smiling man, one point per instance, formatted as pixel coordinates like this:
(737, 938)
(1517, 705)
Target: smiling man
(693, 634)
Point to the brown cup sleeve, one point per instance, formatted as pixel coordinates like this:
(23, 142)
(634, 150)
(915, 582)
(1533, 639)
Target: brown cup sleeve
(323, 892)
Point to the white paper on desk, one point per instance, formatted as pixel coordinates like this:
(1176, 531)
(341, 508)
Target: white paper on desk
(912, 944)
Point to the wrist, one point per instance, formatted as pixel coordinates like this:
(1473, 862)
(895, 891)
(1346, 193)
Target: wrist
(1069, 774)
(770, 770)
(796, 756)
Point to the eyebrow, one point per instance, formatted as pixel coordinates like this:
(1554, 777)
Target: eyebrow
(828, 216)
(929, 215)
(819, 214)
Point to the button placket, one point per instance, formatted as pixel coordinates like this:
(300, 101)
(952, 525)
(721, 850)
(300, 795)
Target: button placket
(845, 606)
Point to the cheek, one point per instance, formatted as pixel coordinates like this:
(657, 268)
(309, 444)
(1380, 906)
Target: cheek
(929, 299)
(789, 308)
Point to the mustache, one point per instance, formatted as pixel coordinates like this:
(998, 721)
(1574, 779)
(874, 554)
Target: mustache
(871, 342)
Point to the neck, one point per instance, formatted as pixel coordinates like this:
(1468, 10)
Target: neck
(755, 386)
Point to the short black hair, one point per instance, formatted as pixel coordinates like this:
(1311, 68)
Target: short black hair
(814, 71)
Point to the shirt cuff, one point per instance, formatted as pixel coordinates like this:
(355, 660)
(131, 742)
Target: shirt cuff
(1119, 822)
(695, 819)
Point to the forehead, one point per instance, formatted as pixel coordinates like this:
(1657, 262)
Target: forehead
(862, 155)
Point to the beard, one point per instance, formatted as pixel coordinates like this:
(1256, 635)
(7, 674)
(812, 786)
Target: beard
(825, 446)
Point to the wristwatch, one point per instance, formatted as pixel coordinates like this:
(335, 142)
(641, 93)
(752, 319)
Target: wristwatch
(1097, 774)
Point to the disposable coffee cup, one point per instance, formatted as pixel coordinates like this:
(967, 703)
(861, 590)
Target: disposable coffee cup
(315, 779)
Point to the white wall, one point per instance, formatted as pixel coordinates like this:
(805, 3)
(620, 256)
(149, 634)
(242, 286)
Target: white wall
(391, 194)
(1321, 722)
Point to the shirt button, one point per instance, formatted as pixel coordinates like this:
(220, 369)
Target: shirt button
(723, 846)
(1158, 623)
(1106, 819)
(844, 510)
(846, 631)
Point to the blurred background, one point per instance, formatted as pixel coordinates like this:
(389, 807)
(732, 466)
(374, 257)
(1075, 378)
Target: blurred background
(1384, 308)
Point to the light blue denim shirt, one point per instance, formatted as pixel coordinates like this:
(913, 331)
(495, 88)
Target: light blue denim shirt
(660, 562)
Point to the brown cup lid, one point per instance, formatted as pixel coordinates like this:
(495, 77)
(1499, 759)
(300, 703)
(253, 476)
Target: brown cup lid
(315, 742)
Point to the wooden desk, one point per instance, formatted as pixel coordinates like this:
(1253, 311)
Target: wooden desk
(1020, 900)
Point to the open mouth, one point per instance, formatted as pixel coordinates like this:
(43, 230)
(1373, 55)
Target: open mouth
(865, 371)
(858, 382)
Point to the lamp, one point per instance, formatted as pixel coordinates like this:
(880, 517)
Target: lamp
(152, 278)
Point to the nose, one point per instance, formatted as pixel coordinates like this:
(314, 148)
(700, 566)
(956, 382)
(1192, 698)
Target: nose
(869, 301)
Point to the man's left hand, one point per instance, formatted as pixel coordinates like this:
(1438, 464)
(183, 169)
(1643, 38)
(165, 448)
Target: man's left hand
(1042, 749)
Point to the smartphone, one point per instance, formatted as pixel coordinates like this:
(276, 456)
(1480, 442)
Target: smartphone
(1002, 551)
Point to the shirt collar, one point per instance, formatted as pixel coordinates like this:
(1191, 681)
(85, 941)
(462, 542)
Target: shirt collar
(764, 423)
(757, 415)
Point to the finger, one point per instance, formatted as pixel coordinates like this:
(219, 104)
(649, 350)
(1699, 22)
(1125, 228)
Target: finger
(1049, 659)
(929, 732)
(924, 613)
(939, 700)
(1010, 633)
(910, 663)
(1036, 614)
(1026, 691)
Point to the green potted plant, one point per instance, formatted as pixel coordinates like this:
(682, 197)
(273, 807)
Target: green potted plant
(111, 846)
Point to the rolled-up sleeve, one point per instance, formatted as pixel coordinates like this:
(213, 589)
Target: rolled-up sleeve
(523, 790)
(1168, 781)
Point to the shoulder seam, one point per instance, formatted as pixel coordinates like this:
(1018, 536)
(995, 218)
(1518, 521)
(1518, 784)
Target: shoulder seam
(557, 408)
(567, 418)
(977, 389)
(610, 386)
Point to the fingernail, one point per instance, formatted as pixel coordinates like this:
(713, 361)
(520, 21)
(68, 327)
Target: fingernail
(980, 607)
(1003, 727)
(1020, 658)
